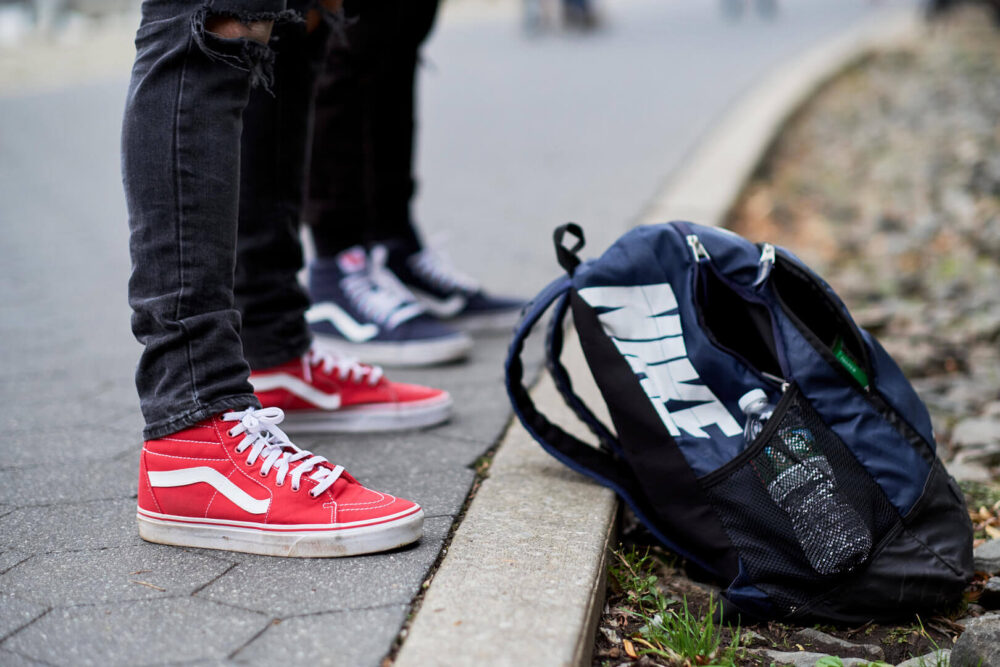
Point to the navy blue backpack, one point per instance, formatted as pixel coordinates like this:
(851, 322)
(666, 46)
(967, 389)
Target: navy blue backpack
(837, 508)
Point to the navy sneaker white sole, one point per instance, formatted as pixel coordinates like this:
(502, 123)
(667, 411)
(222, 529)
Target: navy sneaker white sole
(370, 418)
(400, 354)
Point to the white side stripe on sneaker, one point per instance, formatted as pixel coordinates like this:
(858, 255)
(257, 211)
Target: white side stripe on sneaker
(212, 477)
(439, 307)
(296, 386)
(351, 329)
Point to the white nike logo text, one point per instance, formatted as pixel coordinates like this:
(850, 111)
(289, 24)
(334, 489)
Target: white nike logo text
(215, 479)
(644, 323)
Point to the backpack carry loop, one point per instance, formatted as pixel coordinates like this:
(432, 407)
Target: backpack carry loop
(567, 257)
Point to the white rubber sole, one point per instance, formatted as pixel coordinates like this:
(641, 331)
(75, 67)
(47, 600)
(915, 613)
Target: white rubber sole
(307, 542)
(412, 353)
(370, 418)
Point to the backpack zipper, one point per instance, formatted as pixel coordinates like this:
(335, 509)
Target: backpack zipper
(765, 265)
(697, 248)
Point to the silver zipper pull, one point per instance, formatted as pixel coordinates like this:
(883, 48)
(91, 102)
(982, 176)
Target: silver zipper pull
(776, 380)
(700, 254)
(764, 265)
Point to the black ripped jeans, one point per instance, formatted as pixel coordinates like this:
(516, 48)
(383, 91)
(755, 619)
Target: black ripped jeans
(361, 176)
(213, 240)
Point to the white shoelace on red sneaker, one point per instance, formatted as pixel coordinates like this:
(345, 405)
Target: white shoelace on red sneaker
(265, 439)
(379, 294)
(346, 367)
(436, 268)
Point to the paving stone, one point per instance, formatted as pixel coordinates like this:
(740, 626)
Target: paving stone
(105, 575)
(285, 587)
(482, 414)
(440, 492)
(314, 639)
(53, 441)
(15, 613)
(10, 558)
(84, 410)
(395, 452)
(138, 633)
(70, 526)
(11, 659)
(43, 484)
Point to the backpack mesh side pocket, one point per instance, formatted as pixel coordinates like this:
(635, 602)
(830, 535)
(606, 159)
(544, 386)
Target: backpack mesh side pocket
(800, 509)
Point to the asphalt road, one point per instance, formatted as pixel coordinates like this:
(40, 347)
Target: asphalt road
(518, 134)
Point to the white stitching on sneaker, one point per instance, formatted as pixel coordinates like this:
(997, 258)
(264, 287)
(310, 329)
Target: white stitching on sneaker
(264, 439)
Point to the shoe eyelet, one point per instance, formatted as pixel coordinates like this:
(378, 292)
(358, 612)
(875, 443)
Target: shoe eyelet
(295, 488)
(262, 473)
(230, 433)
(277, 483)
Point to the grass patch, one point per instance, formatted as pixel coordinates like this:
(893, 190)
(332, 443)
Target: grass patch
(664, 626)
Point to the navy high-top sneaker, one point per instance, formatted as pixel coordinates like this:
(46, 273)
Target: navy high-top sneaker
(360, 309)
(449, 294)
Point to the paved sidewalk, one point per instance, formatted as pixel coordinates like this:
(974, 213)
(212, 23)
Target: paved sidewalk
(77, 586)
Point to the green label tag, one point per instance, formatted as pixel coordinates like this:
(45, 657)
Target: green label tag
(848, 362)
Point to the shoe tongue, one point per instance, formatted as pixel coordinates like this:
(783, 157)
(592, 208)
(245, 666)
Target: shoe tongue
(352, 260)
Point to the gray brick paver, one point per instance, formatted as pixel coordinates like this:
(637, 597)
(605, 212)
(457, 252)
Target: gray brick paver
(111, 575)
(138, 633)
(290, 587)
(70, 526)
(15, 613)
(45, 484)
(11, 659)
(356, 638)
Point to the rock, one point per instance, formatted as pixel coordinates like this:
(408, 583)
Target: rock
(814, 639)
(941, 657)
(748, 636)
(804, 658)
(976, 432)
(990, 598)
(986, 558)
(968, 471)
(979, 644)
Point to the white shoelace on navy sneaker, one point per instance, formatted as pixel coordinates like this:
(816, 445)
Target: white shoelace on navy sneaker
(436, 268)
(265, 439)
(379, 294)
(345, 367)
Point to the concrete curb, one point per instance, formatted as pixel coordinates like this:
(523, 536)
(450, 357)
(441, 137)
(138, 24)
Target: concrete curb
(524, 578)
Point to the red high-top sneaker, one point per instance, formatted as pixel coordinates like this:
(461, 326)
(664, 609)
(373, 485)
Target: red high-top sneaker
(324, 393)
(235, 482)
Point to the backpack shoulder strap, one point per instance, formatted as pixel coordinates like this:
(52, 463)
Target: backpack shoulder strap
(573, 452)
(553, 357)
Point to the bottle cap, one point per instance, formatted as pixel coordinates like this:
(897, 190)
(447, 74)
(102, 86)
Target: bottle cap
(751, 397)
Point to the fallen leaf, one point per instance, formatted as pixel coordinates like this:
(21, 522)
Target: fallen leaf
(992, 532)
(629, 649)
